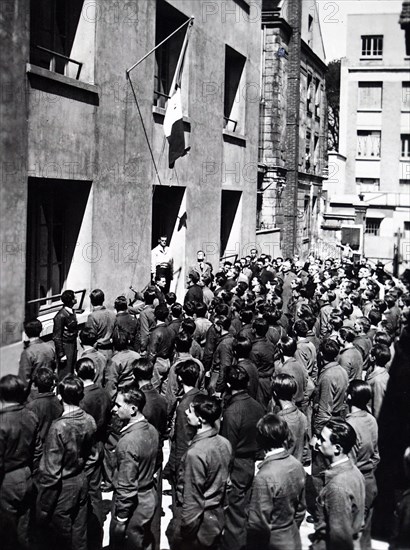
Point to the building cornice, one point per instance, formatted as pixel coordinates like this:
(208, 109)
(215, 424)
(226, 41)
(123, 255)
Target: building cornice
(313, 56)
(378, 69)
(272, 20)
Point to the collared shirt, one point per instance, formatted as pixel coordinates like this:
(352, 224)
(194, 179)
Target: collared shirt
(160, 256)
(340, 461)
(131, 423)
(274, 452)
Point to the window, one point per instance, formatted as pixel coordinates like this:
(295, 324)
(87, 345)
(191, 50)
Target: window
(370, 95)
(404, 181)
(53, 29)
(55, 212)
(372, 46)
(405, 146)
(168, 19)
(234, 100)
(368, 143)
(309, 93)
(405, 96)
(318, 95)
(307, 151)
(316, 159)
(373, 226)
(367, 185)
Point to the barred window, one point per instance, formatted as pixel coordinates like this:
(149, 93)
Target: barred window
(373, 226)
(372, 46)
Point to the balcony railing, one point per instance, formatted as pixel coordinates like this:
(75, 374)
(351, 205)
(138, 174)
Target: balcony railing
(53, 55)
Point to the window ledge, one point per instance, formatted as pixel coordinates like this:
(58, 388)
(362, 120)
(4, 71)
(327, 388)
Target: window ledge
(160, 112)
(233, 137)
(405, 110)
(404, 159)
(372, 58)
(369, 110)
(375, 159)
(62, 79)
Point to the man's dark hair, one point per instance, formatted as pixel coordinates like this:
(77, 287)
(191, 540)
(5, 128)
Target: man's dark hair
(188, 371)
(97, 297)
(170, 298)
(134, 396)
(120, 303)
(194, 276)
(121, 338)
(223, 321)
(150, 295)
(347, 334)
(12, 389)
(33, 328)
(183, 342)
(374, 316)
(44, 379)
(87, 336)
(336, 322)
(331, 296)
(200, 309)
(142, 369)
(383, 338)
(346, 308)
(188, 326)
(360, 393)
(189, 308)
(85, 369)
(288, 346)
(300, 328)
(237, 378)
(272, 432)
(271, 315)
(176, 310)
(284, 387)
(329, 349)
(343, 434)
(381, 354)
(206, 279)
(390, 300)
(242, 347)
(71, 389)
(260, 326)
(208, 408)
(159, 276)
(161, 312)
(67, 297)
(222, 309)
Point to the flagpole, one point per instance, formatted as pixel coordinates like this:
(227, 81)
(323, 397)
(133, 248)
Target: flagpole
(181, 59)
(190, 20)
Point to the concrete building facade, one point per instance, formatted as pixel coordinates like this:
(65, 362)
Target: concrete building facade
(82, 205)
(371, 173)
(292, 143)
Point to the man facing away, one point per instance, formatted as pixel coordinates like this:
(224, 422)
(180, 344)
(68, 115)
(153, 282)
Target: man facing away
(20, 451)
(69, 451)
(101, 320)
(241, 414)
(199, 517)
(341, 501)
(277, 506)
(36, 353)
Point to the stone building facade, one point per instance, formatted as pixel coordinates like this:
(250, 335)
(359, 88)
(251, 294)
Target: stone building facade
(292, 143)
(82, 205)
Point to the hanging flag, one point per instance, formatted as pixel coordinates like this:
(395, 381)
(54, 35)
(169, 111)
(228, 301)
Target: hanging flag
(173, 122)
(174, 128)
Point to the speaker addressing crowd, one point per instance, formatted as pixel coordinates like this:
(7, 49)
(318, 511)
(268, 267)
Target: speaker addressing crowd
(281, 386)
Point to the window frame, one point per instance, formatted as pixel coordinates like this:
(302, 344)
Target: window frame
(371, 50)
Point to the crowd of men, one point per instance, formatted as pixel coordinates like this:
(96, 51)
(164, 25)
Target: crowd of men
(269, 369)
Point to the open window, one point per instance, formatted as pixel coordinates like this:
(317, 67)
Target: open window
(55, 213)
(234, 91)
(231, 218)
(168, 19)
(59, 36)
(368, 143)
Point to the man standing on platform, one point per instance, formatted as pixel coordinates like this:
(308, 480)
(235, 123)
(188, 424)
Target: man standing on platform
(65, 335)
(162, 262)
